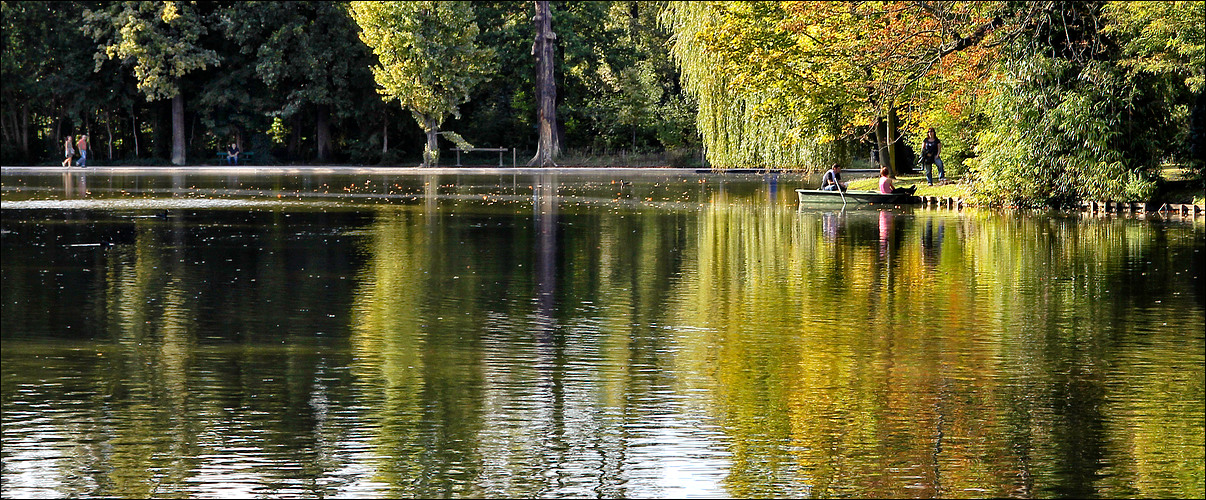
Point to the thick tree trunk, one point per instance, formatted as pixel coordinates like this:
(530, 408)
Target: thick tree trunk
(431, 151)
(549, 145)
(178, 130)
(881, 144)
(322, 131)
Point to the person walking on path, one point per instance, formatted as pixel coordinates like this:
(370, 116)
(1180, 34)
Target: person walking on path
(82, 145)
(69, 152)
(931, 150)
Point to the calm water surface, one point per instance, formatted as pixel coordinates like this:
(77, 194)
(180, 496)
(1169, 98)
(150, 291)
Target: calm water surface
(582, 335)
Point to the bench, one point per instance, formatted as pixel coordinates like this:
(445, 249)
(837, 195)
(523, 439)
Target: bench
(244, 156)
(500, 154)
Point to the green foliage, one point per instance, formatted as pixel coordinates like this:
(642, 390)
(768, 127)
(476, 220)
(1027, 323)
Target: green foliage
(247, 64)
(1055, 137)
(42, 66)
(160, 39)
(1163, 38)
(739, 128)
(456, 138)
(429, 57)
(1072, 120)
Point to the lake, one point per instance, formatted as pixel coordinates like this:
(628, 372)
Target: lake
(584, 333)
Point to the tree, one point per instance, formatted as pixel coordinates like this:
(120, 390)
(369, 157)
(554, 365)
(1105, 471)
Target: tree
(1090, 102)
(162, 40)
(544, 48)
(308, 55)
(780, 82)
(1163, 46)
(428, 57)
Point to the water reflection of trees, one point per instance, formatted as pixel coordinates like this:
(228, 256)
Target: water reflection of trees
(190, 377)
(505, 360)
(977, 358)
(865, 353)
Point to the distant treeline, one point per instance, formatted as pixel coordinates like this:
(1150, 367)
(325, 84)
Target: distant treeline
(1036, 103)
(292, 82)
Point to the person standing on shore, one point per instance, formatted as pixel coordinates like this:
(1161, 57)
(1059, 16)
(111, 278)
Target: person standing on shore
(82, 145)
(70, 152)
(930, 151)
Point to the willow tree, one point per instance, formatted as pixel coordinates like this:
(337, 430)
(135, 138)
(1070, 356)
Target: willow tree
(163, 43)
(780, 82)
(428, 58)
(735, 126)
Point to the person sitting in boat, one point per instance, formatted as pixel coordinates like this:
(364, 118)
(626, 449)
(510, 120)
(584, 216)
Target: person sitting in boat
(885, 184)
(832, 180)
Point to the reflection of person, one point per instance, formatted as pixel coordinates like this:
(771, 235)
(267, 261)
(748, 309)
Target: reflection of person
(885, 184)
(70, 152)
(832, 180)
(885, 231)
(930, 151)
(82, 145)
(931, 242)
(232, 154)
(74, 185)
(829, 225)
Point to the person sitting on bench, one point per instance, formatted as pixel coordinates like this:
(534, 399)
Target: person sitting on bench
(232, 154)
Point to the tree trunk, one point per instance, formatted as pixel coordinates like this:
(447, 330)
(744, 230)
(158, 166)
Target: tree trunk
(893, 138)
(548, 147)
(322, 131)
(9, 136)
(178, 130)
(134, 129)
(58, 130)
(295, 136)
(109, 135)
(25, 131)
(431, 151)
(385, 136)
(881, 144)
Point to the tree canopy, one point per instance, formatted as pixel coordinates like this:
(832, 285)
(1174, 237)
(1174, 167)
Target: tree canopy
(1037, 103)
(428, 57)
(1043, 99)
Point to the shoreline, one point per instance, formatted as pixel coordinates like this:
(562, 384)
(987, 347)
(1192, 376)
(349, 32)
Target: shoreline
(355, 169)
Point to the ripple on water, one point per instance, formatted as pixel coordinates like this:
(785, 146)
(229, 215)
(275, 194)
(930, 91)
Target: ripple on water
(144, 203)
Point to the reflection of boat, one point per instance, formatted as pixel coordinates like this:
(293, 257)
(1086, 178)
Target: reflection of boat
(816, 196)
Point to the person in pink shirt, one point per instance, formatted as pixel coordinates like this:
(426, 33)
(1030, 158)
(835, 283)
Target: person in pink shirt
(885, 184)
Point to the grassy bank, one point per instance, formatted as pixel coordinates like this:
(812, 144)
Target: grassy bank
(953, 187)
(1174, 187)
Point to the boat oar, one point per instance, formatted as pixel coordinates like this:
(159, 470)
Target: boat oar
(842, 193)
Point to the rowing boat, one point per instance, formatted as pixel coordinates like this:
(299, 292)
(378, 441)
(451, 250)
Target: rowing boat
(816, 196)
